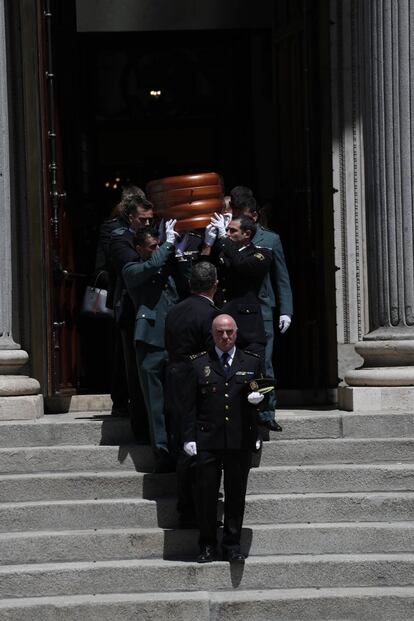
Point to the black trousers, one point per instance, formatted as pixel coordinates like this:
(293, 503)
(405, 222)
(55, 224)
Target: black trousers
(236, 466)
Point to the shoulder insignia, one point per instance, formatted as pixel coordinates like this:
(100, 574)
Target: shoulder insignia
(119, 231)
(259, 256)
(251, 353)
(263, 248)
(195, 356)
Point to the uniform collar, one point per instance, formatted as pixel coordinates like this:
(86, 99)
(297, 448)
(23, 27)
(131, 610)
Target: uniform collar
(231, 354)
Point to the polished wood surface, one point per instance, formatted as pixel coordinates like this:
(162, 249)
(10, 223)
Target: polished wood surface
(191, 199)
(183, 181)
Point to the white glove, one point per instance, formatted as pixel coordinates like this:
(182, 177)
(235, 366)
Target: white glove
(218, 221)
(284, 323)
(210, 235)
(255, 398)
(190, 448)
(170, 234)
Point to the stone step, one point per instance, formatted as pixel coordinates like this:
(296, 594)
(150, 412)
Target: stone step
(338, 451)
(270, 479)
(101, 428)
(76, 458)
(260, 509)
(82, 428)
(339, 604)
(270, 572)
(378, 424)
(133, 457)
(61, 429)
(85, 485)
(257, 540)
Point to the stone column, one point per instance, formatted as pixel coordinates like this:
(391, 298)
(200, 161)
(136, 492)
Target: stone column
(19, 396)
(348, 183)
(386, 379)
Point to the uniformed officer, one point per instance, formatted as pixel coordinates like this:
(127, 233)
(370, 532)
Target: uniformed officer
(153, 282)
(187, 332)
(242, 266)
(219, 428)
(275, 291)
(137, 212)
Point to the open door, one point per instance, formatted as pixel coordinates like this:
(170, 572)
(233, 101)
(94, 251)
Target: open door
(57, 31)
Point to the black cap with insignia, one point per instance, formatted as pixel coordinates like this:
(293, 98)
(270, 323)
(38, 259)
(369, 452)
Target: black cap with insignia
(262, 385)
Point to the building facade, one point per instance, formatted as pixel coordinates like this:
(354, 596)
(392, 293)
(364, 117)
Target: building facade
(308, 102)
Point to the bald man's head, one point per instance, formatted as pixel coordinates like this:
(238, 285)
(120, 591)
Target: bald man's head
(224, 331)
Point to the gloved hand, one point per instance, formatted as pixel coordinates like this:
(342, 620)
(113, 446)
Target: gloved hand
(170, 234)
(284, 323)
(255, 398)
(190, 448)
(218, 221)
(210, 235)
(161, 231)
(181, 245)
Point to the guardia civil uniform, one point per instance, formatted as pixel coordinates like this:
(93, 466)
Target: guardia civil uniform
(275, 293)
(154, 285)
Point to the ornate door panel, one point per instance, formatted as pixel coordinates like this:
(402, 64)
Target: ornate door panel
(56, 27)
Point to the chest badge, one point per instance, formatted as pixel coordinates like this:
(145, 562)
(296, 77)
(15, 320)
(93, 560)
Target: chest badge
(254, 385)
(207, 371)
(259, 256)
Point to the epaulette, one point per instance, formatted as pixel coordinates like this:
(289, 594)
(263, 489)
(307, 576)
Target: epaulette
(195, 356)
(119, 231)
(251, 353)
(263, 247)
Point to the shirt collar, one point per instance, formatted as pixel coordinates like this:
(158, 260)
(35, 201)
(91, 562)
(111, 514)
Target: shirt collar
(231, 354)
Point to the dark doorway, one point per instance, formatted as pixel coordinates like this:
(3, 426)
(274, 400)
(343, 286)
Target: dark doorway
(157, 104)
(249, 103)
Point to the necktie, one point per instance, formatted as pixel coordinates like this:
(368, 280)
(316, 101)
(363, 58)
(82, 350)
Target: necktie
(225, 362)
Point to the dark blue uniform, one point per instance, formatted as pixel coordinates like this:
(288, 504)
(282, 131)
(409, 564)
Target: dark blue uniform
(223, 424)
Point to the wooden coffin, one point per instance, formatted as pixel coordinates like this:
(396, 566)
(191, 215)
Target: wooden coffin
(190, 199)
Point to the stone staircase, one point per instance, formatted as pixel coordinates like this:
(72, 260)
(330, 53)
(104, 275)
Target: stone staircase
(86, 532)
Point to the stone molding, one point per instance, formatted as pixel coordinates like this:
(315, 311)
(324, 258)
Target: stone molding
(19, 397)
(348, 179)
(6, 339)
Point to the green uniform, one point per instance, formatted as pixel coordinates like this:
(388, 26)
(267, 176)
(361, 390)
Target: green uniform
(275, 292)
(153, 286)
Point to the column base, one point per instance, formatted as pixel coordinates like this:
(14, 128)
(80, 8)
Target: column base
(376, 398)
(19, 394)
(21, 407)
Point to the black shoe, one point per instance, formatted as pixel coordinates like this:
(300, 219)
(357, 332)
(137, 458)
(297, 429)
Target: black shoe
(234, 556)
(272, 425)
(207, 554)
